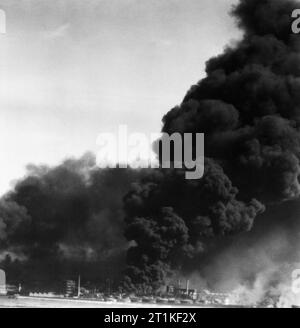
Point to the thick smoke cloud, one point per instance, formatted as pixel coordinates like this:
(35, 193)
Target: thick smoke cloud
(64, 220)
(248, 105)
(242, 214)
(248, 108)
(171, 219)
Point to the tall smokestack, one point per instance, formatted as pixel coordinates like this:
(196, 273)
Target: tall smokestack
(79, 288)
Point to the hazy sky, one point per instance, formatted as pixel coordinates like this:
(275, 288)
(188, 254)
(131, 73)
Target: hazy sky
(70, 69)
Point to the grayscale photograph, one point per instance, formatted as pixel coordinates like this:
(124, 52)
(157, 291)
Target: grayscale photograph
(150, 155)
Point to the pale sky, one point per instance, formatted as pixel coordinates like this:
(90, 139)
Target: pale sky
(71, 69)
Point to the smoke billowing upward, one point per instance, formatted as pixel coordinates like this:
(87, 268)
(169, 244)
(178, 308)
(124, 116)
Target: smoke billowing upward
(65, 220)
(248, 108)
(241, 215)
(171, 219)
(248, 105)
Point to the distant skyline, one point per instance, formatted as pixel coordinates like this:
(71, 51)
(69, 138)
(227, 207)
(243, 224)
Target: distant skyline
(72, 69)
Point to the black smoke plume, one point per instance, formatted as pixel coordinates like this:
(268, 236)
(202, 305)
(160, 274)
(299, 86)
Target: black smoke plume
(238, 221)
(248, 106)
(62, 221)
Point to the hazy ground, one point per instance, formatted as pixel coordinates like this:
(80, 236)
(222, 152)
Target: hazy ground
(36, 302)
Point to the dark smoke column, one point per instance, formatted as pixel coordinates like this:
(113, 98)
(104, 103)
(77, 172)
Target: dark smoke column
(66, 220)
(248, 106)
